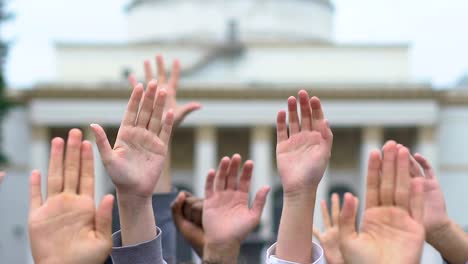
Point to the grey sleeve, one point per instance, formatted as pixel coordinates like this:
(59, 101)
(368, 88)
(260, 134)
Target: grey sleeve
(149, 252)
(163, 215)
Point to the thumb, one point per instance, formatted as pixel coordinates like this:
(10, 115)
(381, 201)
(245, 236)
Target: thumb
(102, 142)
(176, 208)
(104, 217)
(348, 217)
(259, 201)
(316, 233)
(186, 109)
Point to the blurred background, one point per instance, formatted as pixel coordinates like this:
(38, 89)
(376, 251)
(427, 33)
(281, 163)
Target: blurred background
(385, 69)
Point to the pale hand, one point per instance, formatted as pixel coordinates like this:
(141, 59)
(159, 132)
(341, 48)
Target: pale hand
(303, 157)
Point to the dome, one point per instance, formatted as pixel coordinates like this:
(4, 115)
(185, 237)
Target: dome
(255, 20)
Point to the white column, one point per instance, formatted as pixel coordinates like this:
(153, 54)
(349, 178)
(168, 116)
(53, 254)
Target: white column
(426, 145)
(371, 139)
(102, 182)
(205, 156)
(261, 154)
(40, 147)
(322, 194)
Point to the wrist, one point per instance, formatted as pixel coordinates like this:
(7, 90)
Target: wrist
(441, 233)
(300, 197)
(126, 199)
(221, 253)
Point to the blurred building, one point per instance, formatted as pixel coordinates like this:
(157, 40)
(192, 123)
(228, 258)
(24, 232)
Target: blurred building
(241, 60)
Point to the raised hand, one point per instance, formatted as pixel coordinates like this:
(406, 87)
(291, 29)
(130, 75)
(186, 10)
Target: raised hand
(180, 111)
(187, 213)
(136, 162)
(303, 156)
(67, 228)
(227, 218)
(392, 229)
(302, 159)
(330, 238)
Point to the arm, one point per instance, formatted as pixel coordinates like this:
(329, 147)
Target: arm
(441, 232)
(227, 218)
(136, 162)
(67, 224)
(302, 159)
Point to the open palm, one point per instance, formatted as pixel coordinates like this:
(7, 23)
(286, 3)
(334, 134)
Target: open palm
(136, 161)
(226, 213)
(67, 228)
(303, 156)
(392, 228)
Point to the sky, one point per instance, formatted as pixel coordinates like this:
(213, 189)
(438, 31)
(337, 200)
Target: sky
(434, 29)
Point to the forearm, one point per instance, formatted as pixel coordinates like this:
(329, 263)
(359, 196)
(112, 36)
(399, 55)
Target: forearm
(137, 221)
(451, 242)
(295, 231)
(221, 254)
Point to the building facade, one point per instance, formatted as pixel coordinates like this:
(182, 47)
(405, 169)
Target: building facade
(240, 60)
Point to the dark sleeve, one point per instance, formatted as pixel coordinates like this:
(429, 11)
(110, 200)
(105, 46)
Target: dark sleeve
(163, 215)
(149, 252)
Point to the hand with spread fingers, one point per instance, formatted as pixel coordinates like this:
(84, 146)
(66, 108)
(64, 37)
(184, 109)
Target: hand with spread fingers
(330, 238)
(302, 158)
(136, 162)
(187, 211)
(171, 84)
(67, 228)
(392, 229)
(442, 233)
(227, 218)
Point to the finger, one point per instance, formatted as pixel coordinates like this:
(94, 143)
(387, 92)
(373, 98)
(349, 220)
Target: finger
(306, 111)
(197, 213)
(132, 80)
(281, 128)
(55, 177)
(416, 170)
(166, 130)
(157, 112)
(426, 165)
(325, 214)
(209, 184)
(373, 179)
(403, 178)
(246, 177)
(186, 210)
(176, 209)
(317, 114)
(86, 186)
(293, 117)
(387, 186)
(104, 218)
(327, 133)
(35, 194)
(104, 147)
(72, 161)
(417, 199)
(335, 209)
(348, 217)
(259, 201)
(147, 106)
(356, 201)
(148, 71)
(161, 70)
(221, 174)
(130, 115)
(187, 109)
(175, 75)
(233, 170)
